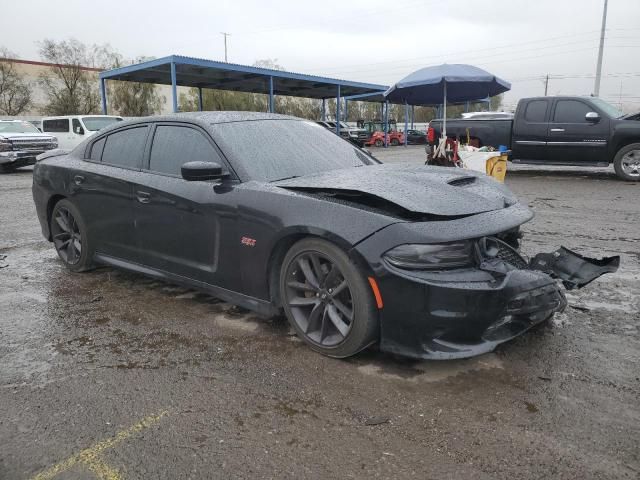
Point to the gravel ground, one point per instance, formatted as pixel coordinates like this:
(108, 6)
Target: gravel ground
(112, 375)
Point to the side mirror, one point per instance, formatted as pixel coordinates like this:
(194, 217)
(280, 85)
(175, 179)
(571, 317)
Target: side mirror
(194, 171)
(79, 131)
(592, 117)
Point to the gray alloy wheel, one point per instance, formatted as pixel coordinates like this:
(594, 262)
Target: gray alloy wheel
(378, 143)
(326, 299)
(68, 233)
(395, 142)
(627, 162)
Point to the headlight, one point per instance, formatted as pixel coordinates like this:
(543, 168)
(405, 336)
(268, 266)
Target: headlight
(431, 257)
(5, 145)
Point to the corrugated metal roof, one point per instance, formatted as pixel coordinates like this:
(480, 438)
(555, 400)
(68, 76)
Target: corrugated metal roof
(199, 72)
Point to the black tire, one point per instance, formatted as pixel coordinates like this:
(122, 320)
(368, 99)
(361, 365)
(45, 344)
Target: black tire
(378, 143)
(333, 311)
(395, 142)
(69, 235)
(627, 162)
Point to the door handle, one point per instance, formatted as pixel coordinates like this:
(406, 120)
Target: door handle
(557, 129)
(143, 197)
(78, 179)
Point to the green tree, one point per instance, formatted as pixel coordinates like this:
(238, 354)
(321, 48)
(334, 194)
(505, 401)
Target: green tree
(15, 91)
(131, 99)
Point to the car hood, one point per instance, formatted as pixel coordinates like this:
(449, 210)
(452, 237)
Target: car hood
(438, 191)
(21, 136)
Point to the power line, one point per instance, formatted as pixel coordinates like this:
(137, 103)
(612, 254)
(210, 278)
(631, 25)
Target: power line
(447, 54)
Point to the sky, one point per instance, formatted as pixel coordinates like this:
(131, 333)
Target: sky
(374, 41)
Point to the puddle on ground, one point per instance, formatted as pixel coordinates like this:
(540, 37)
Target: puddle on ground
(433, 371)
(243, 324)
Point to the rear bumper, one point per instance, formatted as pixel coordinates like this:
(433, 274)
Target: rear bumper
(466, 314)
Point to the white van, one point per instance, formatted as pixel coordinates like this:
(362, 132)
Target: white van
(70, 130)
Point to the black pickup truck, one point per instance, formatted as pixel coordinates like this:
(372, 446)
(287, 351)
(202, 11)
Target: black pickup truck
(582, 131)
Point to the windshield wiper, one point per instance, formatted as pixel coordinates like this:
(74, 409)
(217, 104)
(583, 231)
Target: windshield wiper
(284, 178)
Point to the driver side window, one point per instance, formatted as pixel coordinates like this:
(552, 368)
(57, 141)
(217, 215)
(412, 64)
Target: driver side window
(175, 145)
(571, 111)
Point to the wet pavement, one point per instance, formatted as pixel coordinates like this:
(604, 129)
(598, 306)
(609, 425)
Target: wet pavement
(113, 375)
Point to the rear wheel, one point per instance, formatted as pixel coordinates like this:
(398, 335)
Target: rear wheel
(69, 234)
(627, 162)
(326, 299)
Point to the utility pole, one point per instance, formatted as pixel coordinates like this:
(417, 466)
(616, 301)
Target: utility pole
(596, 88)
(225, 34)
(546, 85)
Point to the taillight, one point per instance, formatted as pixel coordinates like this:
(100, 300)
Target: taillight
(431, 135)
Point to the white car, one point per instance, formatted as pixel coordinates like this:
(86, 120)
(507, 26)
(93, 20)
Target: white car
(70, 130)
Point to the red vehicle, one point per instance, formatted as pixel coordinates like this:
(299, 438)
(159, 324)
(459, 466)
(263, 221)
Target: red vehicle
(376, 133)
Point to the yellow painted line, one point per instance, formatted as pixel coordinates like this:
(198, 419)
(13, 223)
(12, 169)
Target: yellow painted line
(91, 457)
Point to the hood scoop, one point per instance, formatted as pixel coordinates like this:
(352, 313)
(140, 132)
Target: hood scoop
(462, 181)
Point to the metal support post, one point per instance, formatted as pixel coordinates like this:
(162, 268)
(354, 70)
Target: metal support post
(174, 88)
(338, 112)
(103, 95)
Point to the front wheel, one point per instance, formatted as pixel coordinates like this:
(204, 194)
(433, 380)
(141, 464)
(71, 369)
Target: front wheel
(69, 234)
(378, 143)
(327, 300)
(627, 162)
(395, 142)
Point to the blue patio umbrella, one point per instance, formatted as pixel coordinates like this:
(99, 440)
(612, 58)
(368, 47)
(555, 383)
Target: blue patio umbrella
(454, 83)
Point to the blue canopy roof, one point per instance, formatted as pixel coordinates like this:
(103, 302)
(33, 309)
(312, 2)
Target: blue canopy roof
(464, 83)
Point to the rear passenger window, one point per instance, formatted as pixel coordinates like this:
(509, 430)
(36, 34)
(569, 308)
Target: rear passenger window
(96, 150)
(174, 145)
(571, 111)
(57, 126)
(125, 147)
(535, 111)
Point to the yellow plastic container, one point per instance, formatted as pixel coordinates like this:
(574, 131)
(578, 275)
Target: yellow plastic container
(497, 167)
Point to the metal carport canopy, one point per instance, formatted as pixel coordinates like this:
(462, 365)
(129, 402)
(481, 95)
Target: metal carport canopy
(176, 70)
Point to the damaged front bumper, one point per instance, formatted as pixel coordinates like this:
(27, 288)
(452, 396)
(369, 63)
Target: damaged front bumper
(466, 312)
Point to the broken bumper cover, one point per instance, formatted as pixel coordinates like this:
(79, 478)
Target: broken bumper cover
(464, 313)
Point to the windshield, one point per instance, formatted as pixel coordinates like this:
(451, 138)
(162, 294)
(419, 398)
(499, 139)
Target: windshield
(94, 124)
(607, 107)
(17, 127)
(269, 150)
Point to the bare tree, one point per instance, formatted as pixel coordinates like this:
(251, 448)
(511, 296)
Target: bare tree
(15, 91)
(69, 86)
(131, 99)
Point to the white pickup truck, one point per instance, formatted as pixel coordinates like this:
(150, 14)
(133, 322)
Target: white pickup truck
(71, 130)
(20, 143)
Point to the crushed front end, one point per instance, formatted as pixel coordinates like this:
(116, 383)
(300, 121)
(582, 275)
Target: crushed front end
(460, 298)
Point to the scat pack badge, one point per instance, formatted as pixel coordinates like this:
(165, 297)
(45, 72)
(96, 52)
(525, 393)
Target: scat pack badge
(248, 242)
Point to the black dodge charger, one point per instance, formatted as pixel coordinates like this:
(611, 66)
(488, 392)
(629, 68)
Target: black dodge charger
(275, 213)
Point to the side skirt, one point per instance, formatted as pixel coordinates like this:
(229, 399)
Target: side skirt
(568, 164)
(257, 305)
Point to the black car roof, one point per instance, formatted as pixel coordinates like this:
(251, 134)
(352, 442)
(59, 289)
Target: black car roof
(218, 117)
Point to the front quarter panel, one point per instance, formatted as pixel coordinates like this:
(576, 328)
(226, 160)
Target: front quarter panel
(269, 216)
